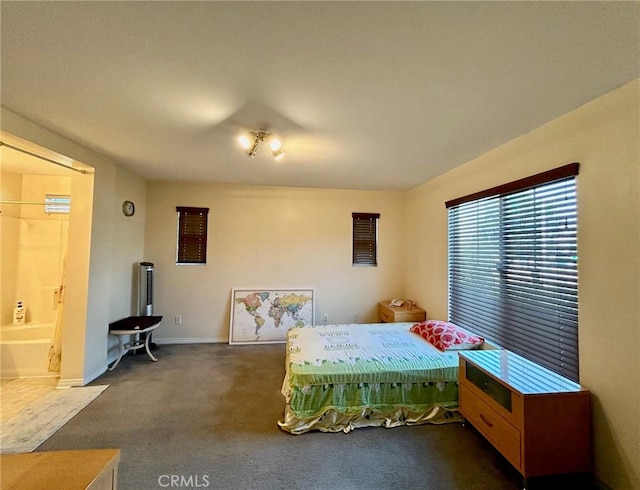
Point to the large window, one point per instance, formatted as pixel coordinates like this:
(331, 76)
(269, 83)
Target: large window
(365, 239)
(192, 235)
(513, 267)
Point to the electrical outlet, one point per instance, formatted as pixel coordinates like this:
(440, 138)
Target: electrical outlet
(325, 317)
(355, 317)
(178, 320)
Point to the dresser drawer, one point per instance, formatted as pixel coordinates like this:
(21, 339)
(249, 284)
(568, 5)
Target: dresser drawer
(489, 386)
(497, 396)
(504, 436)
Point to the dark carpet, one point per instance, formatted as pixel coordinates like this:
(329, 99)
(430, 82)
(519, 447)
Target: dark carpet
(204, 416)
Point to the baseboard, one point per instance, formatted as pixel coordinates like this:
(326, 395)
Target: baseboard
(70, 383)
(202, 340)
(99, 372)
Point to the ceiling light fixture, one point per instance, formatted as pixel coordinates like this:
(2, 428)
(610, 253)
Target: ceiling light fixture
(253, 140)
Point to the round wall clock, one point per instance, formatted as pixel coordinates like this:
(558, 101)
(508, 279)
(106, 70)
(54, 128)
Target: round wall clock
(128, 208)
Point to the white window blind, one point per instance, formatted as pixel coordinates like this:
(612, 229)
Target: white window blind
(57, 204)
(513, 268)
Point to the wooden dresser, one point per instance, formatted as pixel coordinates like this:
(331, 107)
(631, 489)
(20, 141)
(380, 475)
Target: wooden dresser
(539, 421)
(95, 469)
(404, 313)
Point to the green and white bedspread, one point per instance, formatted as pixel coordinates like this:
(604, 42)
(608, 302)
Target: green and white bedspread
(339, 377)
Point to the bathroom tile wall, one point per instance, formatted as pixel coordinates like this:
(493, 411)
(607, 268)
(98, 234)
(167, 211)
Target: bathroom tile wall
(33, 248)
(10, 190)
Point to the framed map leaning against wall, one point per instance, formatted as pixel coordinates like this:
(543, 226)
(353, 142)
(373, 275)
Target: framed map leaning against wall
(265, 315)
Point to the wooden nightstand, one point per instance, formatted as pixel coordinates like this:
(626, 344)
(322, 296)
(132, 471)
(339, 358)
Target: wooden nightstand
(392, 314)
(539, 421)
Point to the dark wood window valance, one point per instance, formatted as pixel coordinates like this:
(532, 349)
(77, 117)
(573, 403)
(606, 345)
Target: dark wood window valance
(559, 173)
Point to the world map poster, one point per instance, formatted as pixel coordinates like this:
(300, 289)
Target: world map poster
(265, 315)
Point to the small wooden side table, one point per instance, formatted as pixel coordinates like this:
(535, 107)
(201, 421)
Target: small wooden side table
(134, 325)
(404, 313)
(94, 469)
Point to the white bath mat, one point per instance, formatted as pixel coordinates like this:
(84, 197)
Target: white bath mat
(39, 420)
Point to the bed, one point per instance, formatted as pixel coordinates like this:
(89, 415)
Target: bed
(342, 377)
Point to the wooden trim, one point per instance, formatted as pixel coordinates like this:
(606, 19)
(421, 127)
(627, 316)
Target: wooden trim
(365, 215)
(563, 172)
(187, 209)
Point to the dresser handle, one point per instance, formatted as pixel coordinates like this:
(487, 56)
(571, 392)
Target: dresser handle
(486, 421)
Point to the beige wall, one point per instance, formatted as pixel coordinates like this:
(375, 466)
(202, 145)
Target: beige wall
(128, 250)
(603, 136)
(269, 237)
(102, 250)
(127, 255)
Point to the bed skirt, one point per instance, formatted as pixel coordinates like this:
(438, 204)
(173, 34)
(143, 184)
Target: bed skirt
(334, 421)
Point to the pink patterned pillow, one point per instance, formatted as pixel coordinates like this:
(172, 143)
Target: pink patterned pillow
(446, 336)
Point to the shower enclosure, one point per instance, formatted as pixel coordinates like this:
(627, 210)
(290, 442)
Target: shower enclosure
(34, 226)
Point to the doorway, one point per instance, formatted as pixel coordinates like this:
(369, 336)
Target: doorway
(44, 250)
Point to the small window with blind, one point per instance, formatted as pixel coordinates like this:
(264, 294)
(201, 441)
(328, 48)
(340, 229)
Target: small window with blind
(513, 267)
(192, 235)
(365, 239)
(57, 204)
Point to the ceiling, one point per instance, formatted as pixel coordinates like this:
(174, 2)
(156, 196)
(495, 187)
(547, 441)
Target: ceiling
(364, 95)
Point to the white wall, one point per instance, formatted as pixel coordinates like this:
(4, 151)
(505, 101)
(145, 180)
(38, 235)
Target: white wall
(603, 136)
(269, 237)
(99, 292)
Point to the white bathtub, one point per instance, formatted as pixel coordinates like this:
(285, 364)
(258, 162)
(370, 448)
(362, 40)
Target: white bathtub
(24, 350)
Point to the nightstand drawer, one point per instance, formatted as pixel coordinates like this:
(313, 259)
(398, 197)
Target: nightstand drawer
(504, 436)
(386, 315)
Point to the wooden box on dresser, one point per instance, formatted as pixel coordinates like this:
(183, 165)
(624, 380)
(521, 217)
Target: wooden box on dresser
(538, 420)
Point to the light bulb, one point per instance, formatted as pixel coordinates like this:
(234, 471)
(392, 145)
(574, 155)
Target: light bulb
(244, 142)
(275, 144)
